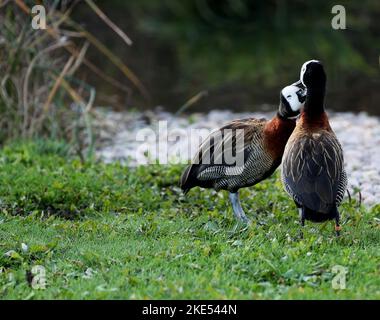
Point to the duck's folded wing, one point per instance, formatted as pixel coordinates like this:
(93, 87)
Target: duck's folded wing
(229, 142)
(209, 162)
(312, 171)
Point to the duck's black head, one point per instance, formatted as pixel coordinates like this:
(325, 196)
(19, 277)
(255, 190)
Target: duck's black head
(313, 75)
(292, 99)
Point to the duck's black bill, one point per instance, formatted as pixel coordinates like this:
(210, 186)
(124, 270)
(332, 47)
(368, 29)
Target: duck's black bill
(301, 93)
(299, 84)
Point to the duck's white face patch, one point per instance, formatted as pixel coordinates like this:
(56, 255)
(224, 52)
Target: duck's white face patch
(303, 69)
(290, 94)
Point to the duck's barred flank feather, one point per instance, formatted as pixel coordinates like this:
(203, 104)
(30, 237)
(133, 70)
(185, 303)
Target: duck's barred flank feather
(342, 188)
(313, 172)
(258, 162)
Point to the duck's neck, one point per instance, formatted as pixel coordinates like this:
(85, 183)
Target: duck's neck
(277, 132)
(314, 104)
(279, 126)
(312, 123)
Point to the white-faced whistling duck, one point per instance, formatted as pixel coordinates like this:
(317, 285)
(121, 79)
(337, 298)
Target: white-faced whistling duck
(262, 150)
(312, 168)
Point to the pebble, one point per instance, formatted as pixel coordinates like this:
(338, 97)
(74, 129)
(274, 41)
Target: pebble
(359, 135)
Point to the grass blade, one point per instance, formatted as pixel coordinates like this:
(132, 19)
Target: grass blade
(113, 26)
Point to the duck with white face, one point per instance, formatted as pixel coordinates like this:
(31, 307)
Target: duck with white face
(262, 150)
(292, 99)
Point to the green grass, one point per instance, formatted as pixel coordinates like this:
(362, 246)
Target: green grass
(106, 231)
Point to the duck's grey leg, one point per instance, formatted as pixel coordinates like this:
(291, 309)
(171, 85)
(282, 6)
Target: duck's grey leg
(302, 220)
(236, 206)
(338, 228)
(302, 216)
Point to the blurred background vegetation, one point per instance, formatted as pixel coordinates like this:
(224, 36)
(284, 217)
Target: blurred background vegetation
(43, 87)
(241, 51)
(137, 55)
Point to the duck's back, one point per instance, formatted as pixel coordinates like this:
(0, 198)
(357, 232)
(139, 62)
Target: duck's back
(313, 170)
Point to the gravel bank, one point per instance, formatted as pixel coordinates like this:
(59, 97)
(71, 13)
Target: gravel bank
(359, 135)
